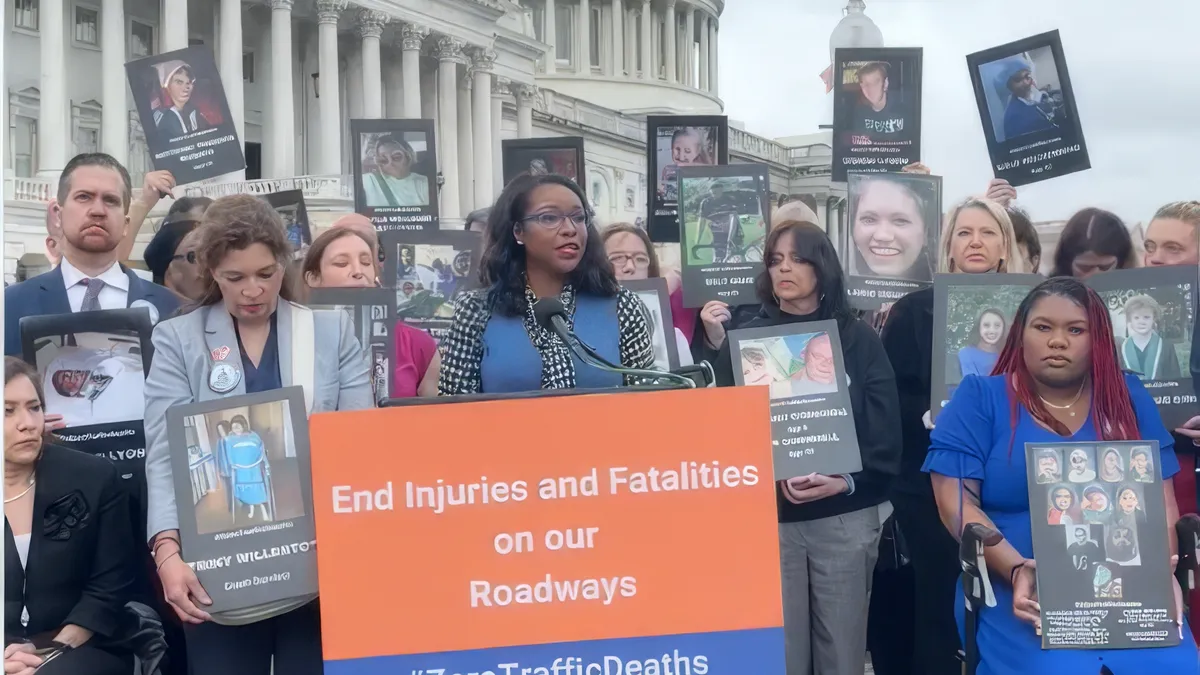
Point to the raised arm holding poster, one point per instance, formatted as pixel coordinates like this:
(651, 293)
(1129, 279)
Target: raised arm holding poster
(812, 424)
(1100, 542)
(184, 112)
(510, 556)
(1028, 110)
(876, 110)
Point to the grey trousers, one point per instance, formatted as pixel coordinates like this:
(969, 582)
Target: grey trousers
(827, 567)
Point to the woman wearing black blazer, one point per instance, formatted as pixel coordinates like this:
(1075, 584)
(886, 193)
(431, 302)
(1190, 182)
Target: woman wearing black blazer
(68, 541)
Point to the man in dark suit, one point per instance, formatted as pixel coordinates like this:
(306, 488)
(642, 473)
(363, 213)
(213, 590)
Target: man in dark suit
(93, 199)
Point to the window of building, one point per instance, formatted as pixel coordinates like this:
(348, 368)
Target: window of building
(24, 146)
(637, 47)
(248, 67)
(594, 31)
(25, 14)
(85, 126)
(87, 26)
(564, 34)
(141, 39)
(662, 49)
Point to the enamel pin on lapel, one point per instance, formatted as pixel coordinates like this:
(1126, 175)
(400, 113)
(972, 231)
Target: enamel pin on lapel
(224, 377)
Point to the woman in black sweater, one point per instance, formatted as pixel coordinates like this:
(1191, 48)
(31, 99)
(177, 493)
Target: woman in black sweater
(829, 526)
(978, 238)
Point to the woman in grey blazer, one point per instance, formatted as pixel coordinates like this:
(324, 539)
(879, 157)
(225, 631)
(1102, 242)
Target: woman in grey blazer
(244, 335)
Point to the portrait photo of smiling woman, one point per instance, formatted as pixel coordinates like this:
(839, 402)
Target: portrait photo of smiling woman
(894, 224)
(389, 176)
(979, 356)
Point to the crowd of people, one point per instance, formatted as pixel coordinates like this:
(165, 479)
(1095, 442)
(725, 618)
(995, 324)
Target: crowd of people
(223, 276)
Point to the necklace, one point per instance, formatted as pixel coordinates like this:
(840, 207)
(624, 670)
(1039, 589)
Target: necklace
(32, 482)
(1067, 406)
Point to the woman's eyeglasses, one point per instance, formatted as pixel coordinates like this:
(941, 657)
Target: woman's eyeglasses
(552, 221)
(640, 261)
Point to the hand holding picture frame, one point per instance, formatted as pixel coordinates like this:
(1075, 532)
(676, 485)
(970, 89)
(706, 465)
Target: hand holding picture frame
(653, 294)
(812, 424)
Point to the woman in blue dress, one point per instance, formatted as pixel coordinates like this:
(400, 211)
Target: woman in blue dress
(1060, 383)
(982, 350)
(247, 457)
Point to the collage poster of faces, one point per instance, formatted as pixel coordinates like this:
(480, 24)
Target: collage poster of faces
(812, 428)
(1153, 316)
(427, 271)
(371, 312)
(894, 228)
(182, 107)
(972, 317)
(1027, 107)
(395, 174)
(876, 110)
(289, 204)
(243, 488)
(1099, 525)
(723, 213)
(674, 142)
(93, 368)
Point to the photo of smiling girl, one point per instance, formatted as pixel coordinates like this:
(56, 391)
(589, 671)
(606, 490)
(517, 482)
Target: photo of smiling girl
(983, 348)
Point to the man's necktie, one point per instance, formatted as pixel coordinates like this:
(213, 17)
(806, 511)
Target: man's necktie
(91, 299)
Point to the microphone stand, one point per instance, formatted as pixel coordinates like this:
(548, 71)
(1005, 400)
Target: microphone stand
(592, 358)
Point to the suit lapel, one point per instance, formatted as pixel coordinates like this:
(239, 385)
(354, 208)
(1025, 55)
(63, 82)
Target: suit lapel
(220, 335)
(137, 290)
(14, 573)
(54, 293)
(283, 338)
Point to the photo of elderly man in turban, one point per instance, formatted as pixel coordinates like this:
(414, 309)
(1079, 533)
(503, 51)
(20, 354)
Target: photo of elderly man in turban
(175, 113)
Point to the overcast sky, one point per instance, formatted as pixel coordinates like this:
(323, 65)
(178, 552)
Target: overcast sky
(1134, 64)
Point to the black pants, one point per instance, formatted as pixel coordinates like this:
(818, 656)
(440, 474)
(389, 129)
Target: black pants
(936, 572)
(890, 635)
(294, 639)
(89, 660)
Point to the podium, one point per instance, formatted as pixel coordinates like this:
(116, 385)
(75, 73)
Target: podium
(583, 529)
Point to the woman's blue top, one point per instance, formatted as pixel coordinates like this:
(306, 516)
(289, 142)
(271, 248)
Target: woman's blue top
(974, 361)
(511, 363)
(971, 440)
(266, 375)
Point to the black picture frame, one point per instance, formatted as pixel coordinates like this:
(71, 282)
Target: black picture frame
(414, 304)
(1002, 292)
(373, 312)
(731, 279)
(1174, 285)
(1123, 564)
(663, 330)
(213, 148)
(290, 206)
(810, 432)
(662, 223)
(869, 142)
(398, 218)
(244, 578)
(869, 289)
(1040, 153)
(517, 155)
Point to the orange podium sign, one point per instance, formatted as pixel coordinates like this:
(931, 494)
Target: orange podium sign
(611, 534)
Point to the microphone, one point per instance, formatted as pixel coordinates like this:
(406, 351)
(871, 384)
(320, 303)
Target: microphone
(552, 315)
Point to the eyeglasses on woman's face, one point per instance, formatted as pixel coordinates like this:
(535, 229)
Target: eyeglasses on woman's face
(553, 221)
(639, 260)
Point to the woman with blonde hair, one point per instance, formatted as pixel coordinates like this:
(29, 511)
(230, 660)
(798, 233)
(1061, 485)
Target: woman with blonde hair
(977, 238)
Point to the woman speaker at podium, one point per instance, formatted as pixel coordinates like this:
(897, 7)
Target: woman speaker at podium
(542, 243)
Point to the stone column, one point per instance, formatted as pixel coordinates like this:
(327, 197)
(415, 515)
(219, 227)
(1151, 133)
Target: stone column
(499, 93)
(230, 66)
(524, 94)
(283, 109)
(173, 29)
(583, 46)
(449, 53)
(114, 130)
(482, 61)
(328, 87)
(704, 52)
(53, 110)
(689, 47)
(393, 86)
(712, 69)
(411, 39)
(672, 28)
(370, 29)
(647, 41)
(550, 37)
(466, 148)
(618, 38)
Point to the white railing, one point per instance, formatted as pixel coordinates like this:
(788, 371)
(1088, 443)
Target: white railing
(758, 147)
(28, 189)
(313, 187)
